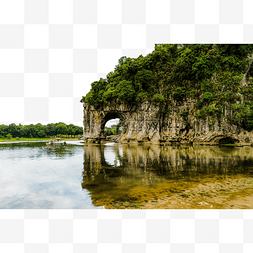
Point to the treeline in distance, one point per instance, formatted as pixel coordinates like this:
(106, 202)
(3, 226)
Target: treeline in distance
(39, 130)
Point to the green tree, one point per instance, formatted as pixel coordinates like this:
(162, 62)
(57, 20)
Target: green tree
(24, 132)
(71, 129)
(41, 134)
(125, 91)
(3, 130)
(61, 128)
(32, 131)
(108, 131)
(50, 129)
(8, 136)
(13, 130)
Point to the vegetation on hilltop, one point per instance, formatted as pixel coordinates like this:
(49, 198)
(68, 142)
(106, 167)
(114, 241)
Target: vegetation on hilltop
(215, 75)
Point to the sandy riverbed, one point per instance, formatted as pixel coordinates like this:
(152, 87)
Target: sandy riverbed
(225, 194)
(229, 194)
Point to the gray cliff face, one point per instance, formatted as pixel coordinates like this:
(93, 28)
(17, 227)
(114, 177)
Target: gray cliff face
(149, 124)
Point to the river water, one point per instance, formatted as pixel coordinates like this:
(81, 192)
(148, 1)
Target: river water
(36, 175)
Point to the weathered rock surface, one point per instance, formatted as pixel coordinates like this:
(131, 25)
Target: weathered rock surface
(147, 123)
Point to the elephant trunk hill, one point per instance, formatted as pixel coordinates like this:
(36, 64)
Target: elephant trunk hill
(188, 94)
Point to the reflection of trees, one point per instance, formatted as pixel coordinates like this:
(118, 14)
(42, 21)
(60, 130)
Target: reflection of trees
(39, 149)
(147, 165)
(59, 150)
(168, 160)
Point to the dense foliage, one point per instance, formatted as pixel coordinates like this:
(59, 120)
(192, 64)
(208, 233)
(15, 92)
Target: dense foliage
(38, 130)
(217, 76)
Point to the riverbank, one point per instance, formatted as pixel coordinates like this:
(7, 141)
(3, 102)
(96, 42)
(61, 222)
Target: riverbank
(230, 193)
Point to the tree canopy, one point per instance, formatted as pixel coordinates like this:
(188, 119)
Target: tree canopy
(215, 75)
(39, 130)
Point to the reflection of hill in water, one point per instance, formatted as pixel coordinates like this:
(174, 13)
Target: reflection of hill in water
(148, 165)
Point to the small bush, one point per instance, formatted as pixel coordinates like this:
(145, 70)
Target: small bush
(158, 98)
(211, 109)
(179, 94)
(201, 114)
(199, 104)
(207, 97)
(193, 93)
(184, 113)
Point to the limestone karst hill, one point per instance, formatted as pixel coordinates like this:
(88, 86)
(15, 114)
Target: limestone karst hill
(193, 93)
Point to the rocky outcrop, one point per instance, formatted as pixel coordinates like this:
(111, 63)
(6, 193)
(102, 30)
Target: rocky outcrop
(148, 123)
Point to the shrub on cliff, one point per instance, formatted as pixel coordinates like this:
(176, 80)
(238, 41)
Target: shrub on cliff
(179, 94)
(158, 98)
(207, 97)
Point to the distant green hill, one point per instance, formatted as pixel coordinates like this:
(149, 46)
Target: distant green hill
(215, 76)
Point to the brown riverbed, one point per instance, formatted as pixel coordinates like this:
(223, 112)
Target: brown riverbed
(230, 193)
(227, 194)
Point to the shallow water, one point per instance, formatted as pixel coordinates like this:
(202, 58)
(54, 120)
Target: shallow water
(34, 175)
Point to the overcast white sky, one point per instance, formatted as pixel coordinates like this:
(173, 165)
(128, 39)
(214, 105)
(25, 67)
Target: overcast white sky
(112, 122)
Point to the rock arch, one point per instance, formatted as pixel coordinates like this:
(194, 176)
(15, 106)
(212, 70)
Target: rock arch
(111, 115)
(95, 120)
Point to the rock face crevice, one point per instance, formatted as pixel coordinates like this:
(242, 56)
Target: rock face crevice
(148, 123)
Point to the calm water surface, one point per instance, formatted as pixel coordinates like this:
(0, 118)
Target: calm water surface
(34, 175)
